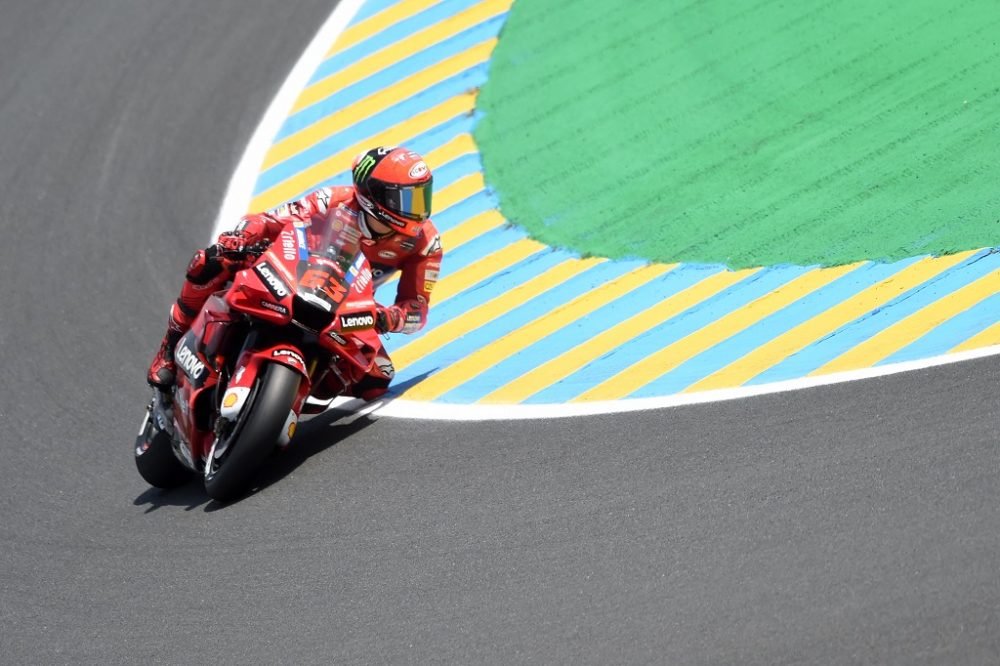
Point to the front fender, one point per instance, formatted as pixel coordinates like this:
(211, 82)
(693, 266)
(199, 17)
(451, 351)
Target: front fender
(250, 366)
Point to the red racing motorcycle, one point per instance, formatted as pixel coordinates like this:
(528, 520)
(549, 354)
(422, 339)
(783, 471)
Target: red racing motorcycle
(301, 317)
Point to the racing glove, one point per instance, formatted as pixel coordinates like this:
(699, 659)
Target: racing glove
(238, 244)
(388, 319)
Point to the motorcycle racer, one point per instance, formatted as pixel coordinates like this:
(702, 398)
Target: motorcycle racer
(391, 194)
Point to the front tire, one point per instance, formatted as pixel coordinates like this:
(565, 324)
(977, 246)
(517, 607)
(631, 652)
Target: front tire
(255, 434)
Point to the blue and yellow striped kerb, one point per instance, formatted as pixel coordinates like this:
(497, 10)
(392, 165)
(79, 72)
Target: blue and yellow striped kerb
(514, 321)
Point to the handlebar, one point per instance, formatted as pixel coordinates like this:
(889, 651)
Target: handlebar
(254, 250)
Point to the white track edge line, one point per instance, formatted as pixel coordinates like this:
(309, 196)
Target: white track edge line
(240, 193)
(433, 411)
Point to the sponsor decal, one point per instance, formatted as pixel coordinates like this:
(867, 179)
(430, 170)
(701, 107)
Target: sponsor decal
(230, 400)
(324, 261)
(431, 274)
(346, 213)
(339, 339)
(418, 170)
(350, 235)
(291, 429)
(359, 260)
(189, 362)
(364, 167)
(362, 281)
(407, 245)
(275, 307)
(357, 322)
(429, 285)
(288, 246)
(323, 199)
(385, 367)
(433, 247)
(387, 254)
(271, 280)
(413, 322)
(300, 232)
(289, 354)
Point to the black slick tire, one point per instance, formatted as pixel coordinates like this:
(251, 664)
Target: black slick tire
(255, 434)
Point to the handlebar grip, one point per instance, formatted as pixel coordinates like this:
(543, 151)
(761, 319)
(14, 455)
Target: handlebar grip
(253, 250)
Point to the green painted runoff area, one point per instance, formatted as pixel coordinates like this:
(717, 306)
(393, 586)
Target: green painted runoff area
(748, 133)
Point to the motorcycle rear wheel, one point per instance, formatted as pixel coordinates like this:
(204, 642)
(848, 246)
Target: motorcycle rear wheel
(255, 434)
(156, 462)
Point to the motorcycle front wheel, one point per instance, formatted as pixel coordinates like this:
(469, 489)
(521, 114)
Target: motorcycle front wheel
(234, 461)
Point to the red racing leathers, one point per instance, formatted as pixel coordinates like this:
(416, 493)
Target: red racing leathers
(418, 259)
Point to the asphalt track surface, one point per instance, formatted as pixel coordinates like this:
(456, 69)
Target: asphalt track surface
(855, 523)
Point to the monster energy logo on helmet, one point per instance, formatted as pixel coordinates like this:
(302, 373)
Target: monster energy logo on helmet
(369, 161)
(364, 167)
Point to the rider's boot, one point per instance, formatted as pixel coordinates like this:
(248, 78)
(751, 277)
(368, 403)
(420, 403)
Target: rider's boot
(163, 371)
(205, 274)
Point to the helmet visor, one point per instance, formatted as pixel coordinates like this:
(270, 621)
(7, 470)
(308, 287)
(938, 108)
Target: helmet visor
(410, 201)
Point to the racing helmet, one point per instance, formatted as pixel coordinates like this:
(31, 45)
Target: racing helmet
(394, 186)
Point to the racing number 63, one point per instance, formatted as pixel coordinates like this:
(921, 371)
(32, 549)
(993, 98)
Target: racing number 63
(318, 279)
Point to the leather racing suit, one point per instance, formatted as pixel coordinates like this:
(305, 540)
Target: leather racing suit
(418, 260)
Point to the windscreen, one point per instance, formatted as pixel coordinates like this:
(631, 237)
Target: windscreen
(330, 258)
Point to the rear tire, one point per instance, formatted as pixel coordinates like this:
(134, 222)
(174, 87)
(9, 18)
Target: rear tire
(156, 462)
(255, 434)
